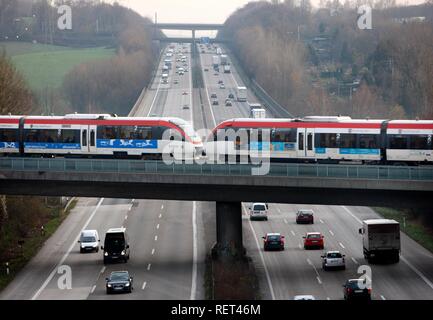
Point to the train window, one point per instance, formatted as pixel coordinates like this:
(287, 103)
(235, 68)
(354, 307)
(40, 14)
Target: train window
(368, 141)
(398, 141)
(84, 138)
(144, 133)
(70, 136)
(301, 141)
(419, 142)
(107, 132)
(347, 140)
(284, 135)
(326, 140)
(42, 135)
(8, 135)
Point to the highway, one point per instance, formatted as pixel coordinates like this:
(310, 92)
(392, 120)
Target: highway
(170, 239)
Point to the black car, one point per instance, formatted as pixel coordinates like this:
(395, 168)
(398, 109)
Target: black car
(119, 281)
(356, 289)
(273, 241)
(305, 216)
(231, 96)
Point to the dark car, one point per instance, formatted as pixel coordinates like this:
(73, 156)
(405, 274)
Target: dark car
(356, 289)
(119, 281)
(305, 216)
(215, 102)
(231, 96)
(273, 241)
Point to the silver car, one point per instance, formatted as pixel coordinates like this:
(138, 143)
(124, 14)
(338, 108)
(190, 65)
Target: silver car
(333, 259)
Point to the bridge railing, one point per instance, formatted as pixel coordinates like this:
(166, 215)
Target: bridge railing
(159, 167)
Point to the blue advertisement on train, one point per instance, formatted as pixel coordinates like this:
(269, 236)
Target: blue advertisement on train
(127, 144)
(50, 145)
(272, 146)
(359, 151)
(9, 145)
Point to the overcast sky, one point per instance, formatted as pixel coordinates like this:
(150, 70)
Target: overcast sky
(204, 11)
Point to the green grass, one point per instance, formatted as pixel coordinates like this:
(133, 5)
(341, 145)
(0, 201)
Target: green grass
(414, 228)
(45, 66)
(32, 245)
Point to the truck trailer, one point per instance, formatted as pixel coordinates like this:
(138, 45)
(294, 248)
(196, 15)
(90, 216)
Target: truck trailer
(242, 94)
(381, 239)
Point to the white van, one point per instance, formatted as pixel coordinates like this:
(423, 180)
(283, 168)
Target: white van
(89, 241)
(259, 211)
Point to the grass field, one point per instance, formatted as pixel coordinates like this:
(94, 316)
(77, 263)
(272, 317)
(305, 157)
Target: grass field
(45, 65)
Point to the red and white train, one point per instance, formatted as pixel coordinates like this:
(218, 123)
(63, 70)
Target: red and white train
(87, 135)
(324, 140)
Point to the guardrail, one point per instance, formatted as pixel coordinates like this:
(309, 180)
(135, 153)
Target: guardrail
(159, 167)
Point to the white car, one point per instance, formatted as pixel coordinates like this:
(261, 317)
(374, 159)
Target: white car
(304, 297)
(89, 241)
(333, 259)
(259, 211)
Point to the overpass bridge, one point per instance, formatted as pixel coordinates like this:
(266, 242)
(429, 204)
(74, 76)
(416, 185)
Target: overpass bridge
(193, 27)
(228, 185)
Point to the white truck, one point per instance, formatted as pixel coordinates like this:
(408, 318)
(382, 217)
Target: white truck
(256, 111)
(227, 69)
(242, 94)
(224, 60)
(381, 239)
(215, 61)
(219, 51)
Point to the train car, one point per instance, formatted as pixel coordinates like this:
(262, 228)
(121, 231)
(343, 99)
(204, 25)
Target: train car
(9, 134)
(104, 135)
(322, 139)
(410, 141)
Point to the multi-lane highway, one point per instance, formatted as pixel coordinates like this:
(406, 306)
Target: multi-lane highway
(169, 239)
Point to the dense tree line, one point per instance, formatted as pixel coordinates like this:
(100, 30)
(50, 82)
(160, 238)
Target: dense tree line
(289, 49)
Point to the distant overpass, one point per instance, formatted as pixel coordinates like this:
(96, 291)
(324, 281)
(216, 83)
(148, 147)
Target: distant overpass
(286, 183)
(187, 40)
(193, 27)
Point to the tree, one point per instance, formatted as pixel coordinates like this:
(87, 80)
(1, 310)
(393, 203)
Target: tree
(15, 97)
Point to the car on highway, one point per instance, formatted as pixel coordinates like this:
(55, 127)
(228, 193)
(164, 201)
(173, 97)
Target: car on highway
(206, 69)
(228, 103)
(313, 240)
(304, 297)
(273, 241)
(119, 281)
(259, 211)
(213, 95)
(220, 81)
(305, 216)
(215, 102)
(231, 96)
(222, 86)
(89, 241)
(185, 107)
(356, 289)
(116, 245)
(216, 73)
(176, 81)
(333, 260)
(185, 93)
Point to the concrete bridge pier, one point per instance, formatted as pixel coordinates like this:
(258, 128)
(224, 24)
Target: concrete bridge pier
(229, 230)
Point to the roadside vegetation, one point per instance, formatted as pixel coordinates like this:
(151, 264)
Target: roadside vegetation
(318, 62)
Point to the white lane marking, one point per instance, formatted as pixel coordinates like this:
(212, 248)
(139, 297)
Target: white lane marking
(293, 233)
(414, 269)
(332, 233)
(268, 278)
(148, 266)
(190, 90)
(279, 211)
(154, 98)
(103, 270)
(65, 256)
(319, 280)
(348, 211)
(300, 246)
(195, 250)
(315, 270)
(382, 297)
(132, 201)
(162, 207)
(328, 298)
(285, 221)
(160, 215)
(354, 260)
(157, 226)
(309, 262)
(321, 221)
(341, 245)
(93, 289)
(419, 273)
(153, 252)
(156, 238)
(126, 217)
(130, 208)
(144, 285)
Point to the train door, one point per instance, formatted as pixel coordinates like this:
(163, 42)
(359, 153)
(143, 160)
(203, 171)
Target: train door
(306, 143)
(84, 139)
(92, 139)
